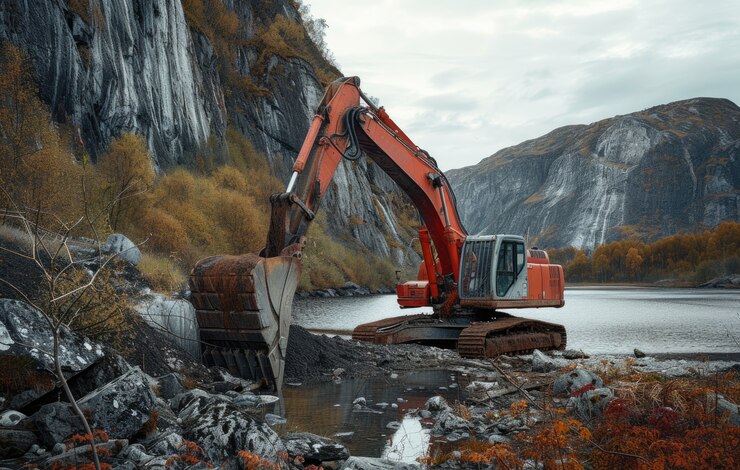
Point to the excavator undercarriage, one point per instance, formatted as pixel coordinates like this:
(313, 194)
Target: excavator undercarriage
(475, 334)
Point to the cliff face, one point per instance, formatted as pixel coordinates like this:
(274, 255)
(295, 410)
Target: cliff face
(672, 168)
(140, 66)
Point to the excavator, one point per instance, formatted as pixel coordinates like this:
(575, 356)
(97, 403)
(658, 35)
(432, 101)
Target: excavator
(243, 303)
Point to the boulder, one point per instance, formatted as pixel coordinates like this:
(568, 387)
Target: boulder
(24, 332)
(121, 247)
(166, 444)
(448, 421)
(10, 418)
(222, 430)
(169, 386)
(724, 407)
(15, 442)
(122, 406)
(314, 449)
(590, 404)
(174, 318)
(573, 354)
(370, 463)
(55, 422)
(543, 363)
(638, 353)
(436, 403)
(576, 379)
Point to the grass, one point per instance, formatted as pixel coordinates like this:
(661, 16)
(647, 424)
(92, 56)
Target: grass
(161, 272)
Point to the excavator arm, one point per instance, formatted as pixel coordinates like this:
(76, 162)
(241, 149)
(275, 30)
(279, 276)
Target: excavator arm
(342, 128)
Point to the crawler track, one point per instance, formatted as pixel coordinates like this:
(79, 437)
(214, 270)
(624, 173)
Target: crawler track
(473, 336)
(512, 335)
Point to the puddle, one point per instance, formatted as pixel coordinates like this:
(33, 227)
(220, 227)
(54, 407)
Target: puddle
(327, 410)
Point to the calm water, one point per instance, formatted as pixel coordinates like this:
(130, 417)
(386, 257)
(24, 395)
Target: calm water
(598, 320)
(326, 409)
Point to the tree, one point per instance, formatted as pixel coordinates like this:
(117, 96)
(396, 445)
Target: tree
(76, 293)
(127, 174)
(633, 262)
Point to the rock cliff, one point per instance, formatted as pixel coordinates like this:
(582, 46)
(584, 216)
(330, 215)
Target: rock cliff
(668, 169)
(142, 66)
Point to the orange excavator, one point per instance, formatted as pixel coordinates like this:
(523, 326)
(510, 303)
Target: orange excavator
(243, 303)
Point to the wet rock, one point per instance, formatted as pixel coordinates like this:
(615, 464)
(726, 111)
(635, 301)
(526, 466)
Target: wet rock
(58, 448)
(360, 401)
(393, 425)
(247, 400)
(590, 404)
(731, 281)
(499, 439)
(122, 406)
(223, 430)
(573, 354)
(457, 436)
(369, 463)
(638, 353)
(121, 247)
(338, 372)
(166, 444)
(15, 442)
(169, 386)
(55, 422)
(136, 453)
(436, 403)
(447, 422)
(574, 380)
(11, 418)
(273, 419)
(543, 363)
(315, 449)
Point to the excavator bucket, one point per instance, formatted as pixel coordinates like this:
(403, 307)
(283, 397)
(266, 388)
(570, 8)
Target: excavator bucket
(244, 308)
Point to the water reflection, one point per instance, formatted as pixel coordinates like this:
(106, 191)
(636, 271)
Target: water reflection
(326, 409)
(409, 442)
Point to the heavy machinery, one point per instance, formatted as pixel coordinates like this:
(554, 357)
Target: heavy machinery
(243, 303)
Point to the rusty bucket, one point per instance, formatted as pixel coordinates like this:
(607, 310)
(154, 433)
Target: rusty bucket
(244, 308)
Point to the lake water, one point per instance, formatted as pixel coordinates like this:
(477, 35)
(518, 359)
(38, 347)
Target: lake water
(598, 320)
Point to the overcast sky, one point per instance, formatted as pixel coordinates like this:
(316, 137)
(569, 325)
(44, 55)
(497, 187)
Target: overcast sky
(467, 78)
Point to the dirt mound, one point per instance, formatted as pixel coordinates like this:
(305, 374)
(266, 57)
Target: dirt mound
(312, 358)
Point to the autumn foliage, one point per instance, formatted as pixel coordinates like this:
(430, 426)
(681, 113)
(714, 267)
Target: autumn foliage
(690, 257)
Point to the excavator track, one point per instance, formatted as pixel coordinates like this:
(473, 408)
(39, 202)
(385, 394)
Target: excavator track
(510, 335)
(474, 336)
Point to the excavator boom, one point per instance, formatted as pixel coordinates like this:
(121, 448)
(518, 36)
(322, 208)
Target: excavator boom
(243, 303)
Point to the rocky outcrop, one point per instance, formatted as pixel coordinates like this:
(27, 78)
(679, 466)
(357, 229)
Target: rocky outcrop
(668, 169)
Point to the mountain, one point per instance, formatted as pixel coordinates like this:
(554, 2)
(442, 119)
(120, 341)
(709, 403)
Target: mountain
(668, 169)
(186, 75)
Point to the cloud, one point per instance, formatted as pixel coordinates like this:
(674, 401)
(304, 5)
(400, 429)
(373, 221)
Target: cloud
(465, 79)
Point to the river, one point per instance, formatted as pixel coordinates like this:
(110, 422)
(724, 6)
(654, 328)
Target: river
(599, 320)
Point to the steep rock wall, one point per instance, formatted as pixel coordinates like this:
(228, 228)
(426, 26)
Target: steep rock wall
(672, 168)
(138, 66)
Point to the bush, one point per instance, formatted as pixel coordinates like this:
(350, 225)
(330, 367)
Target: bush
(164, 233)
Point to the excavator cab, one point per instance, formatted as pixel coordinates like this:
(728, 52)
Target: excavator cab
(498, 271)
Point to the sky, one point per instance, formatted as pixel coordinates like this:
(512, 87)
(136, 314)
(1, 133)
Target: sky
(466, 78)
